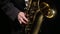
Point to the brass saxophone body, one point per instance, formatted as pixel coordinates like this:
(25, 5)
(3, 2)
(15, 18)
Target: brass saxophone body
(36, 12)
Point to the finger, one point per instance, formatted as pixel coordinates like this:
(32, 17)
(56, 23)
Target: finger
(20, 22)
(21, 19)
(25, 18)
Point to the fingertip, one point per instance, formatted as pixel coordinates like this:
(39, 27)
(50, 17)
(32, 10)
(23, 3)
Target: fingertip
(20, 22)
(24, 22)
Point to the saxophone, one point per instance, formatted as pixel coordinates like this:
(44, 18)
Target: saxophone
(36, 11)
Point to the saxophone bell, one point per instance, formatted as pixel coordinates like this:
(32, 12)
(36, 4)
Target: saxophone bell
(46, 10)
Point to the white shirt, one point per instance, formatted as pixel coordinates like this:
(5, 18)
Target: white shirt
(26, 2)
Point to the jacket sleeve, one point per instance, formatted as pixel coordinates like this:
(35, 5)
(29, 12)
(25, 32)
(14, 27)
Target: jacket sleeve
(13, 7)
(10, 10)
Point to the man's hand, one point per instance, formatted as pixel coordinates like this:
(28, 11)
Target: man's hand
(22, 18)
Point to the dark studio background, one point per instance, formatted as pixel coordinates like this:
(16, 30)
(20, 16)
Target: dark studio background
(49, 26)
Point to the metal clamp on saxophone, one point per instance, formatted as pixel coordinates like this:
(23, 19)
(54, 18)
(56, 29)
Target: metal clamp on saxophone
(36, 12)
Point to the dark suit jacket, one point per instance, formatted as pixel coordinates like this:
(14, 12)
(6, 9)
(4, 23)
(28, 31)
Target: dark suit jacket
(12, 7)
(8, 13)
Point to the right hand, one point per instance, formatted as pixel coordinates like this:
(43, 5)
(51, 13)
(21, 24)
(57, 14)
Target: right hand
(22, 18)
